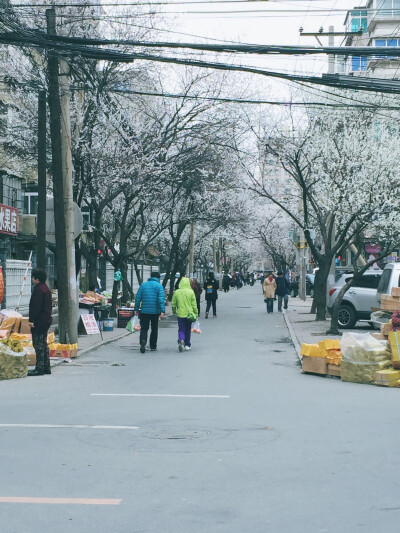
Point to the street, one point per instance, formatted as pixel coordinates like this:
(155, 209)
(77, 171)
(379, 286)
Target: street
(229, 437)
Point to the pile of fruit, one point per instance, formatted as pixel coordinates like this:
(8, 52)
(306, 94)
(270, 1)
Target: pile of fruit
(13, 360)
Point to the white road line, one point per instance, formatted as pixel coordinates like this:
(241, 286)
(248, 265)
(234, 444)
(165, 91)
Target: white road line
(165, 395)
(57, 426)
(70, 501)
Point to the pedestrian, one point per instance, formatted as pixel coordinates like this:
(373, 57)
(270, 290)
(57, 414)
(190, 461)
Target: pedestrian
(211, 290)
(150, 306)
(238, 281)
(269, 292)
(197, 289)
(40, 319)
(185, 306)
(226, 281)
(282, 291)
(177, 282)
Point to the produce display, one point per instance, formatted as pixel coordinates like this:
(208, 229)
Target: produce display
(13, 360)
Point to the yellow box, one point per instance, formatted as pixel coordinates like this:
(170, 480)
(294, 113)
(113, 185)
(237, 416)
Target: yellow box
(387, 375)
(310, 350)
(394, 341)
(332, 344)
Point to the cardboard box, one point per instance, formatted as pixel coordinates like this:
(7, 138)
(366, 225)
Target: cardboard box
(24, 326)
(386, 328)
(334, 370)
(394, 341)
(389, 298)
(396, 292)
(387, 375)
(315, 365)
(390, 306)
(379, 336)
(65, 354)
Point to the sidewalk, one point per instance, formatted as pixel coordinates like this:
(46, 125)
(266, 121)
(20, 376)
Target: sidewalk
(303, 327)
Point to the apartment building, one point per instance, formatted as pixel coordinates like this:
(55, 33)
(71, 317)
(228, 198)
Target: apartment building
(379, 25)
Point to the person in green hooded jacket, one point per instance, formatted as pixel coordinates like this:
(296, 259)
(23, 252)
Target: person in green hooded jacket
(184, 305)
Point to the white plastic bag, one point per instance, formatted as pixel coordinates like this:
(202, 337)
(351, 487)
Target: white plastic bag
(196, 327)
(133, 324)
(363, 348)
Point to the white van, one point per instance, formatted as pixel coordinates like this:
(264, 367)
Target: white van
(390, 278)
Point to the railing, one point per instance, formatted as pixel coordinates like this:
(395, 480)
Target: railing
(15, 272)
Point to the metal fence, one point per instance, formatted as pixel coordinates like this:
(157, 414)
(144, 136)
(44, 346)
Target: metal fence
(15, 272)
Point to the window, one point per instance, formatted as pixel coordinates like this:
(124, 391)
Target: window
(368, 282)
(31, 203)
(358, 63)
(387, 42)
(359, 21)
(10, 191)
(388, 7)
(384, 281)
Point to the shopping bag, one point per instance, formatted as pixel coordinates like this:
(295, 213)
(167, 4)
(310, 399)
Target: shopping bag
(196, 327)
(133, 324)
(191, 317)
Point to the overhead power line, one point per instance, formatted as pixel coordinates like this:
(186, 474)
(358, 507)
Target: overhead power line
(68, 47)
(42, 39)
(247, 101)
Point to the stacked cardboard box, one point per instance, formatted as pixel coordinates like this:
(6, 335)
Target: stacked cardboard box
(387, 378)
(322, 358)
(389, 302)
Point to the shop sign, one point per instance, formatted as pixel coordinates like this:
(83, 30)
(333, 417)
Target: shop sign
(1, 285)
(8, 219)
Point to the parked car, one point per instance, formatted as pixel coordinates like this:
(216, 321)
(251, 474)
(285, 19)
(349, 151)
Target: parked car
(358, 300)
(390, 278)
(294, 286)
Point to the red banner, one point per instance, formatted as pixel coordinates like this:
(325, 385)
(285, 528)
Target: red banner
(8, 219)
(1, 285)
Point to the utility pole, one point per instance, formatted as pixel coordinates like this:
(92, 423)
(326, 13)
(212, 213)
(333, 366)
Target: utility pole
(41, 216)
(68, 201)
(331, 60)
(67, 330)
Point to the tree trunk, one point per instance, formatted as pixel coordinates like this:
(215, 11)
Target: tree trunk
(334, 327)
(127, 292)
(113, 311)
(320, 286)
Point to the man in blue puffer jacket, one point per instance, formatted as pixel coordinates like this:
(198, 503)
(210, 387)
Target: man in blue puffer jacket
(150, 302)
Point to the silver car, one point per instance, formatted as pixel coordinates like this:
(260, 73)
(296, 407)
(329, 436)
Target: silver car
(358, 300)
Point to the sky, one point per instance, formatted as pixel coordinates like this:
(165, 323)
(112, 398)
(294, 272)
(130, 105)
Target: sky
(260, 22)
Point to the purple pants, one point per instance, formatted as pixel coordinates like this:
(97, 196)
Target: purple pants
(184, 327)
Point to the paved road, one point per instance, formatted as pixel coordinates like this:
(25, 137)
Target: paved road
(229, 437)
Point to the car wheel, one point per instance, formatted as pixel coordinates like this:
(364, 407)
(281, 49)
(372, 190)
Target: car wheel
(347, 317)
(311, 293)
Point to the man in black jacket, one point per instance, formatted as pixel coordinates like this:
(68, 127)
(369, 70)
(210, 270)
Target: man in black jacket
(40, 319)
(282, 291)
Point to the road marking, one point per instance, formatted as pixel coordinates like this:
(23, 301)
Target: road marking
(166, 395)
(57, 426)
(73, 501)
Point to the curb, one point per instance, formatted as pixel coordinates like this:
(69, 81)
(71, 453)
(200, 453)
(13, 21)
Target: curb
(292, 334)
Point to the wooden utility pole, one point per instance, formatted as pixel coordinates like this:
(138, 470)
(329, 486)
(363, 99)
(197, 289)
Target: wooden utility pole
(63, 280)
(68, 201)
(41, 214)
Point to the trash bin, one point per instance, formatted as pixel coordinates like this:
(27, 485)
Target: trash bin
(108, 324)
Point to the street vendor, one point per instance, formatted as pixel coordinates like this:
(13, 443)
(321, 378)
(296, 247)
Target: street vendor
(40, 319)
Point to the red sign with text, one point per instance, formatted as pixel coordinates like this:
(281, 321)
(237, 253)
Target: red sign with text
(91, 327)
(8, 219)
